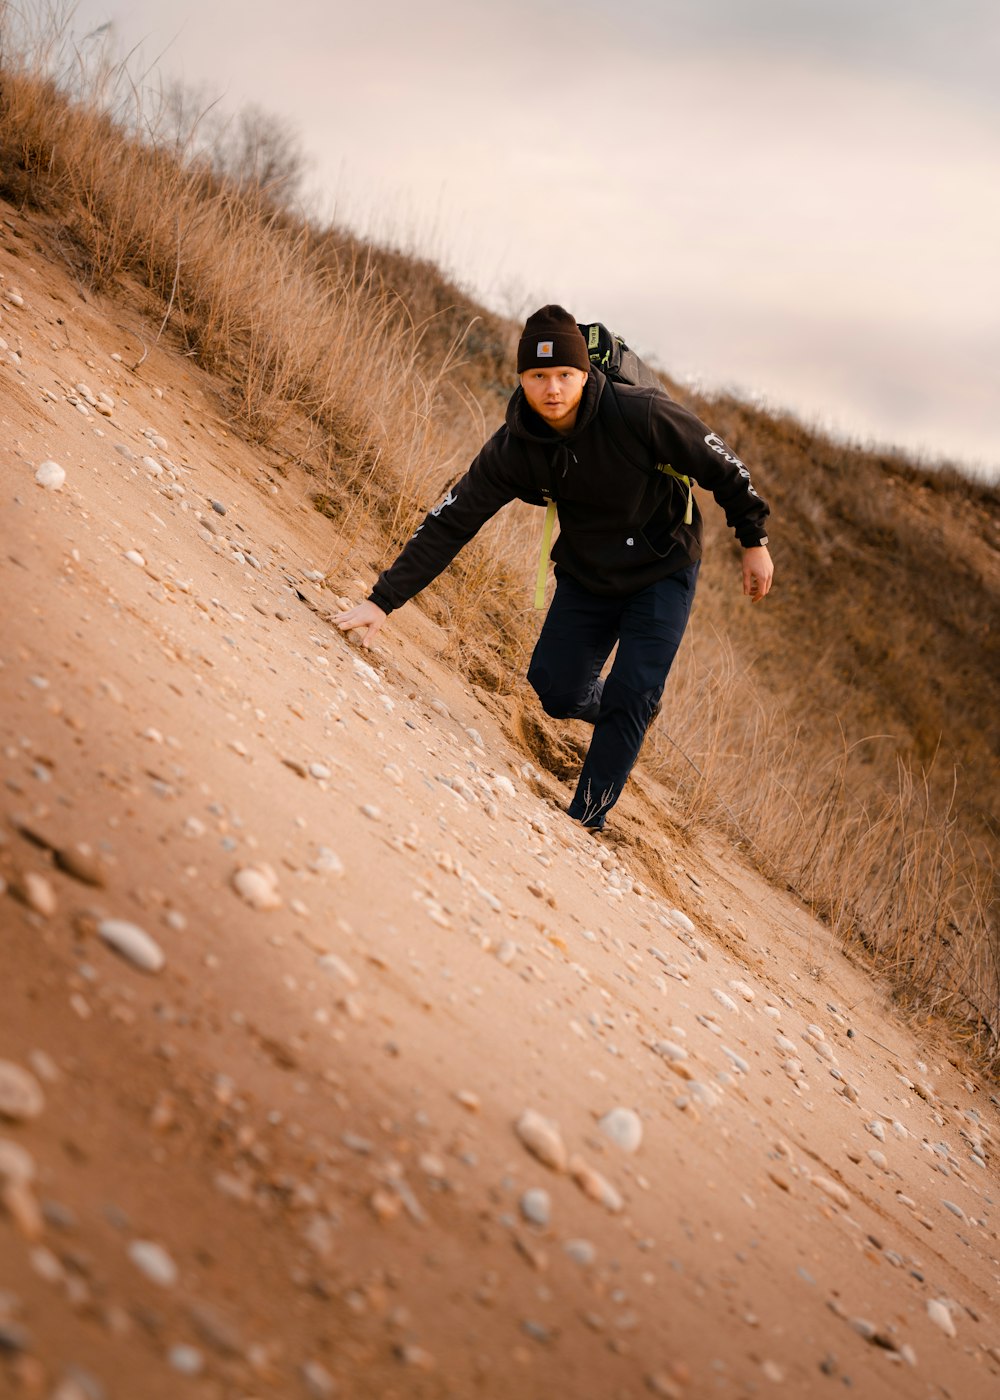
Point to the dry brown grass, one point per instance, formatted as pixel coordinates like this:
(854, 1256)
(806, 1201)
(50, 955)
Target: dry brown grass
(382, 378)
(292, 331)
(889, 869)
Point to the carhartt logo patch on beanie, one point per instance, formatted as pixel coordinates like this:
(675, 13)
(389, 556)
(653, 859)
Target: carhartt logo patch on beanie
(551, 337)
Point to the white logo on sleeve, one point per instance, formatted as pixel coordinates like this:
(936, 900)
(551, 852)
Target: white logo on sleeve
(544, 351)
(449, 500)
(713, 441)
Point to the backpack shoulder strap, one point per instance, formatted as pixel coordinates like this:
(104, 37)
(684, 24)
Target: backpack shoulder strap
(626, 437)
(637, 452)
(543, 558)
(540, 468)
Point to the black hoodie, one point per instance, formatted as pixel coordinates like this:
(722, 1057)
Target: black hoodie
(621, 523)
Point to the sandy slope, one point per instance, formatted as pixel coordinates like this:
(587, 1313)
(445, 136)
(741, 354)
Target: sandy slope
(325, 1146)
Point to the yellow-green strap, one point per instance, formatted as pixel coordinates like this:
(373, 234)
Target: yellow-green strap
(543, 563)
(668, 470)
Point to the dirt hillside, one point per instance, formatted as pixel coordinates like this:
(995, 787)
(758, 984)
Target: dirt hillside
(334, 1061)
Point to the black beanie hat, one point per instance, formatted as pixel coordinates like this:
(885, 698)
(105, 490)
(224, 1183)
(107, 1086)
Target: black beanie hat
(551, 337)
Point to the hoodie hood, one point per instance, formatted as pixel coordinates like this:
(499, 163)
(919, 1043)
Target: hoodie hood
(523, 422)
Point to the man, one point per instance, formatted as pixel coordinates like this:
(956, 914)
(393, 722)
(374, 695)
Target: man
(629, 544)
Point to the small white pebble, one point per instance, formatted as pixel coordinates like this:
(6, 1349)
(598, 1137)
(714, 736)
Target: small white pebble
(187, 1360)
(154, 1261)
(51, 476)
(940, 1314)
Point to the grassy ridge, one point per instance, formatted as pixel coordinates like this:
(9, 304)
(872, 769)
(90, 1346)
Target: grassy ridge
(846, 731)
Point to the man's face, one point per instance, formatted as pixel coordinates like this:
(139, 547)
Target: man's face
(554, 393)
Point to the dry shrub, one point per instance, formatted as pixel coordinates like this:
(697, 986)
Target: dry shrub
(892, 870)
(888, 582)
(292, 332)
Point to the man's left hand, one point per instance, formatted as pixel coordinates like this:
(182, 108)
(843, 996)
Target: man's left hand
(758, 571)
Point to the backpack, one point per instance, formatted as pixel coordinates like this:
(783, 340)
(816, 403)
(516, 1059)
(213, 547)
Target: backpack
(611, 355)
(620, 365)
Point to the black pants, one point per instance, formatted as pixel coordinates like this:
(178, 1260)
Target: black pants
(575, 641)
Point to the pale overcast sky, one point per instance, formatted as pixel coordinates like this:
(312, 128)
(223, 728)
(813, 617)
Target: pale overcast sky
(797, 199)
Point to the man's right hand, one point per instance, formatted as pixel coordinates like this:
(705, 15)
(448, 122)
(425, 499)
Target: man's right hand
(367, 618)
